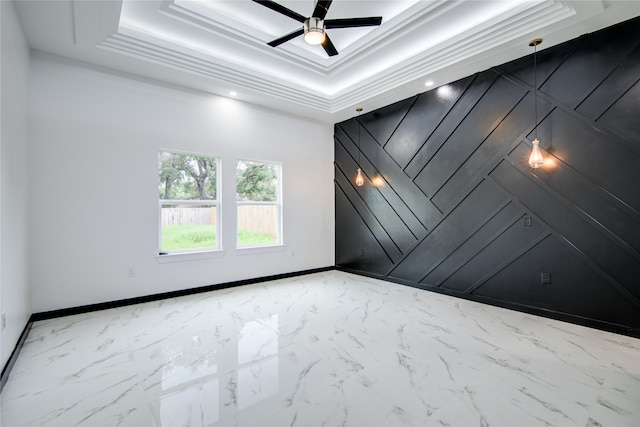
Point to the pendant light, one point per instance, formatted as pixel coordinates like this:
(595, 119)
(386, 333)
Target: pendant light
(359, 177)
(535, 160)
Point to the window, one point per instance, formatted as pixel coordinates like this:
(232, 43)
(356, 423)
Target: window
(259, 205)
(188, 201)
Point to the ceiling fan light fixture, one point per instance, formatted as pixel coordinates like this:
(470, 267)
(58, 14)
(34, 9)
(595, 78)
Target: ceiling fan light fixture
(314, 31)
(314, 26)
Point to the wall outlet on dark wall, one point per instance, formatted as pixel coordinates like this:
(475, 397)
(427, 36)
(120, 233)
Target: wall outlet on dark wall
(545, 278)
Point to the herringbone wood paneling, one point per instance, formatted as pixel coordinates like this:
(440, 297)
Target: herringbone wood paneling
(459, 210)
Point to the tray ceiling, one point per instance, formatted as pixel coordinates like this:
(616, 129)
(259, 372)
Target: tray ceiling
(220, 46)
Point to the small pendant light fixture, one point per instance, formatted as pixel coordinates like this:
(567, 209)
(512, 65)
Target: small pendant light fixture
(359, 178)
(535, 160)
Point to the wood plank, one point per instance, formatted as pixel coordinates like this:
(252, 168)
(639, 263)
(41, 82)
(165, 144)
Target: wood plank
(456, 115)
(356, 246)
(480, 205)
(483, 119)
(369, 218)
(488, 155)
(379, 207)
(607, 211)
(600, 251)
(575, 287)
(495, 226)
(579, 74)
(421, 120)
(593, 155)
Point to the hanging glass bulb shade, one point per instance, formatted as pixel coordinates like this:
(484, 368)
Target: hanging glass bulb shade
(359, 178)
(535, 159)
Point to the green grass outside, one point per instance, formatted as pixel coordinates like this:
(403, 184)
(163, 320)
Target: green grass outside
(184, 237)
(249, 238)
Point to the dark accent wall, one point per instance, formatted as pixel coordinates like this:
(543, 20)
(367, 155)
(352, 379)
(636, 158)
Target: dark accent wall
(450, 204)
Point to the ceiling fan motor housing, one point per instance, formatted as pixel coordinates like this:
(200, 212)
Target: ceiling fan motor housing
(314, 30)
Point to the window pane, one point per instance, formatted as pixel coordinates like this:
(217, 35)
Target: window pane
(186, 176)
(188, 227)
(258, 225)
(256, 181)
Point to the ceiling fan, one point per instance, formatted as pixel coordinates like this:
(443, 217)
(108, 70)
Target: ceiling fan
(314, 26)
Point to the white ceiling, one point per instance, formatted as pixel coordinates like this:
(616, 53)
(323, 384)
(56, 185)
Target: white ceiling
(219, 46)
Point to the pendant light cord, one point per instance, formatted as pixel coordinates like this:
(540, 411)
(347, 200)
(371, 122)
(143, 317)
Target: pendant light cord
(358, 140)
(359, 110)
(535, 87)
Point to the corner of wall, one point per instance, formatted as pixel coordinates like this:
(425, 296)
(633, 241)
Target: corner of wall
(15, 288)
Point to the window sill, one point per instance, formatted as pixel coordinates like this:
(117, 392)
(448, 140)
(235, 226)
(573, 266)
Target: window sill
(250, 250)
(188, 256)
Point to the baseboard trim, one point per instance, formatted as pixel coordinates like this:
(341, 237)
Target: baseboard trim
(172, 294)
(6, 370)
(551, 314)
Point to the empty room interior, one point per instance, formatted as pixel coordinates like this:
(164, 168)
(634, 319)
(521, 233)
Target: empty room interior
(320, 213)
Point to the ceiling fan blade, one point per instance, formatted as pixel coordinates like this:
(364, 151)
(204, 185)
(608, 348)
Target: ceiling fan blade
(322, 7)
(281, 9)
(353, 22)
(329, 47)
(286, 38)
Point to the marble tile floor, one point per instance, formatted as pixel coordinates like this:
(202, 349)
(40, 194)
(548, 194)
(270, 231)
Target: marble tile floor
(327, 349)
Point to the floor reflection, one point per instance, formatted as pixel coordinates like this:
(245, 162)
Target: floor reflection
(196, 405)
(258, 365)
(253, 370)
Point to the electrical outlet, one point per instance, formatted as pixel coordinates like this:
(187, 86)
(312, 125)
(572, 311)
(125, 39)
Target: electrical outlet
(4, 320)
(131, 271)
(545, 278)
(527, 221)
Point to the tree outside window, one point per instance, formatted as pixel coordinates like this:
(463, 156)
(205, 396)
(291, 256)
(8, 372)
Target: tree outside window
(187, 192)
(259, 206)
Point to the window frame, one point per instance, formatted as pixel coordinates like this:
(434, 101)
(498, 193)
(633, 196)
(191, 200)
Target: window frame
(278, 203)
(193, 202)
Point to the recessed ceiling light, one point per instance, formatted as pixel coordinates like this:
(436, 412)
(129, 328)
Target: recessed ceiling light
(233, 93)
(428, 83)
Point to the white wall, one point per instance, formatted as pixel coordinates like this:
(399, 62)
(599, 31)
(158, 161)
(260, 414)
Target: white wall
(95, 138)
(14, 180)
